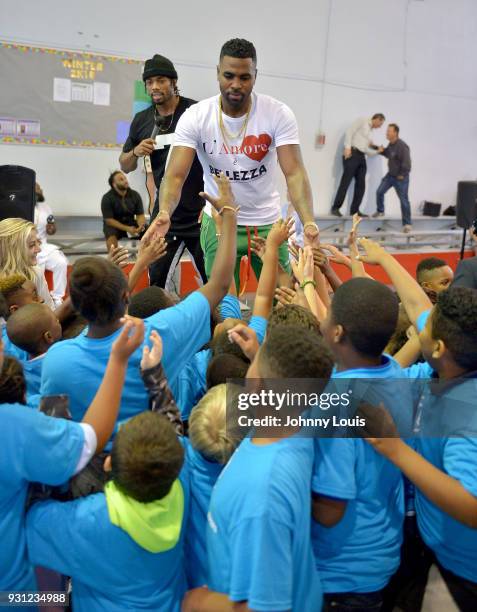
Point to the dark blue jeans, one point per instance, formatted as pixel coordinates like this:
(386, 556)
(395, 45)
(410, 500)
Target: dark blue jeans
(402, 188)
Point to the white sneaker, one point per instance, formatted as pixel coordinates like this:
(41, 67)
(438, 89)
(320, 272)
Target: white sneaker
(407, 229)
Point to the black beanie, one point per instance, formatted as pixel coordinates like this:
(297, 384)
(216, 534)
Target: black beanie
(159, 66)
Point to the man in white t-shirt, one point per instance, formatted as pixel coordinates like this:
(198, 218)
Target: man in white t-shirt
(50, 257)
(246, 136)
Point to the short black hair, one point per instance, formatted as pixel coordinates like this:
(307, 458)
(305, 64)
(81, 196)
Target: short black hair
(150, 300)
(293, 314)
(239, 47)
(379, 116)
(12, 382)
(96, 288)
(111, 177)
(454, 321)
(27, 325)
(428, 264)
(146, 457)
(395, 126)
(225, 367)
(368, 313)
(290, 351)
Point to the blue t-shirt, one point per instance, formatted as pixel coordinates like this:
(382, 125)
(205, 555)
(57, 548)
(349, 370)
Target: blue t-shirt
(109, 570)
(34, 448)
(32, 371)
(447, 438)
(76, 367)
(203, 476)
(258, 534)
(362, 551)
(11, 349)
(190, 385)
(230, 308)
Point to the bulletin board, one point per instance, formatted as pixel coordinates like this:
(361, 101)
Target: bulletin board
(65, 98)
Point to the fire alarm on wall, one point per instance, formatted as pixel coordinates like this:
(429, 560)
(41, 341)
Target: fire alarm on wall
(320, 140)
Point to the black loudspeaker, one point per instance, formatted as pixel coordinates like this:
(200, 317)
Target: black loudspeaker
(466, 203)
(431, 209)
(17, 192)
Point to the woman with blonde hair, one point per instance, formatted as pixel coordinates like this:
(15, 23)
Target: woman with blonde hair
(213, 439)
(19, 247)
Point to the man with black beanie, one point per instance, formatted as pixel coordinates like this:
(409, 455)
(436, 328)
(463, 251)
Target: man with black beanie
(160, 81)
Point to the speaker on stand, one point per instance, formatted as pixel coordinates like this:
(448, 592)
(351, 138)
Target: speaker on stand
(17, 192)
(466, 208)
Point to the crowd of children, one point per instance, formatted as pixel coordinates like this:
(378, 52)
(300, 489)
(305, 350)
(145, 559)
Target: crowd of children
(157, 500)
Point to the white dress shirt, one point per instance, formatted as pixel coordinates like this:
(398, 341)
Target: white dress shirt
(358, 136)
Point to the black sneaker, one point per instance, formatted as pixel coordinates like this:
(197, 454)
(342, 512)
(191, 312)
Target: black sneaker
(336, 212)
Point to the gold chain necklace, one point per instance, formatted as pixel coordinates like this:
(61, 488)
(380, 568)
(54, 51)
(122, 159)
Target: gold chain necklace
(225, 133)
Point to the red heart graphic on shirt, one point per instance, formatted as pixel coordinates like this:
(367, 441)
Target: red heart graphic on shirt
(256, 147)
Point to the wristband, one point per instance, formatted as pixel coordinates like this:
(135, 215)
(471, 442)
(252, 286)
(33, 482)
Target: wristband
(235, 210)
(309, 281)
(308, 223)
(136, 156)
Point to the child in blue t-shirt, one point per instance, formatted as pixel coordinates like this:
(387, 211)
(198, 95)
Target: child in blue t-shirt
(211, 444)
(358, 497)
(99, 292)
(17, 292)
(34, 328)
(443, 468)
(37, 448)
(258, 532)
(124, 548)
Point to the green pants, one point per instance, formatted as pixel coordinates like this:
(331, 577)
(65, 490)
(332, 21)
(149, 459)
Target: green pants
(208, 242)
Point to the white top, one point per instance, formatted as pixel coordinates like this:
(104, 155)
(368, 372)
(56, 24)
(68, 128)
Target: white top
(249, 161)
(42, 212)
(42, 287)
(358, 135)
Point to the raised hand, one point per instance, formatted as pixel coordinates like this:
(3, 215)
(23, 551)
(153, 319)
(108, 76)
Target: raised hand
(130, 339)
(375, 253)
(309, 264)
(119, 256)
(225, 197)
(152, 251)
(285, 296)
(152, 357)
(258, 245)
(280, 232)
(336, 255)
(245, 338)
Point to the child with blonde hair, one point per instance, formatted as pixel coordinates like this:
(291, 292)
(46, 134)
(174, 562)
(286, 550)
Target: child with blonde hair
(211, 444)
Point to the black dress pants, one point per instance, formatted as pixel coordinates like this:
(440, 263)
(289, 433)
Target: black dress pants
(353, 168)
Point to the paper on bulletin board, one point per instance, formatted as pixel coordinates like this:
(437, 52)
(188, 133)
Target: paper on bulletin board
(28, 128)
(101, 93)
(81, 92)
(61, 90)
(8, 126)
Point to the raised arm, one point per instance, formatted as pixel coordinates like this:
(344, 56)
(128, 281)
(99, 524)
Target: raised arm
(224, 264)
(268, 278)
(291, 163)
(414, 300)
